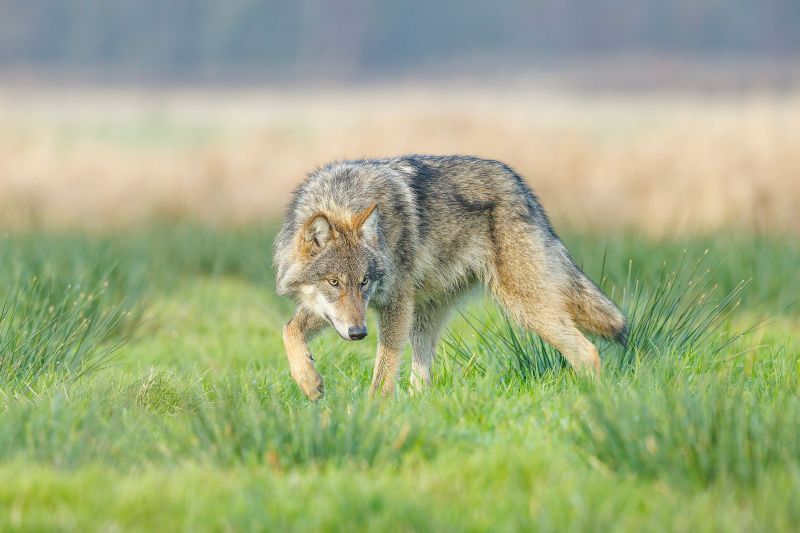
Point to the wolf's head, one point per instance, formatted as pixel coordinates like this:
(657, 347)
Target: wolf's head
(335, 268)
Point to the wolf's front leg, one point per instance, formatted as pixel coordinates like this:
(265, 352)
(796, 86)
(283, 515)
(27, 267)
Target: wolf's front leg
(296, 334)
(394, 323)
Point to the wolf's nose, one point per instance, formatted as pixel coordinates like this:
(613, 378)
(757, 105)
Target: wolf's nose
(357, 333)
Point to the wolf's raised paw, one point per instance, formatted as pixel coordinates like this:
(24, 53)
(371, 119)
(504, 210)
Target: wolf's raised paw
(310, 382)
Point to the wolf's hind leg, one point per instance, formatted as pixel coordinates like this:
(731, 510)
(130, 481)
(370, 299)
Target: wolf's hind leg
(548, 318)
(528, 279)
(428, 322)
(581, 354)
(296, 334)
(394, 324)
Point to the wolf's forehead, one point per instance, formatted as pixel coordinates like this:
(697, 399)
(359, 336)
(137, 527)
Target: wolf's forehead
(343, 259)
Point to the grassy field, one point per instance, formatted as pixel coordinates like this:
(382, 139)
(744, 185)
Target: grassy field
(144, 387)
(143, 384)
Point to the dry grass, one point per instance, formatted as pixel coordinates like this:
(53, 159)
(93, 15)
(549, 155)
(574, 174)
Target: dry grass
(665, 164)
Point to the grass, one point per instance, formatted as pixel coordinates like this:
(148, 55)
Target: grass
(164, 402)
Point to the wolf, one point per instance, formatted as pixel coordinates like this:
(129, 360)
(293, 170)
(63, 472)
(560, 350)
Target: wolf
(408, 236)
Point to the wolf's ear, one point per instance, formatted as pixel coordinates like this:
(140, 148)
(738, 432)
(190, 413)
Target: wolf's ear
(317, 232)
(367, 222)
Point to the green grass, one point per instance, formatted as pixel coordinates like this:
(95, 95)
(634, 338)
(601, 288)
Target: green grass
(163, 401)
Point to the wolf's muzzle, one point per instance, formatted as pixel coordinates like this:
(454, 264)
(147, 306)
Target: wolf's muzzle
(357, 333)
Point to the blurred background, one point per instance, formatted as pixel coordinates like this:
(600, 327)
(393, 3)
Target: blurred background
(661, 116)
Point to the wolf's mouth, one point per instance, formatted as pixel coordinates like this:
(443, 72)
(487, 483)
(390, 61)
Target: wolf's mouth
(332, 323)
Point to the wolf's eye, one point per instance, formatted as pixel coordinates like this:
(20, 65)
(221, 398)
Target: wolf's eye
(364, 281)
(333, 282)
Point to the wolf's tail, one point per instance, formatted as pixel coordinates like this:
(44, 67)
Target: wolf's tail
(593, 311)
